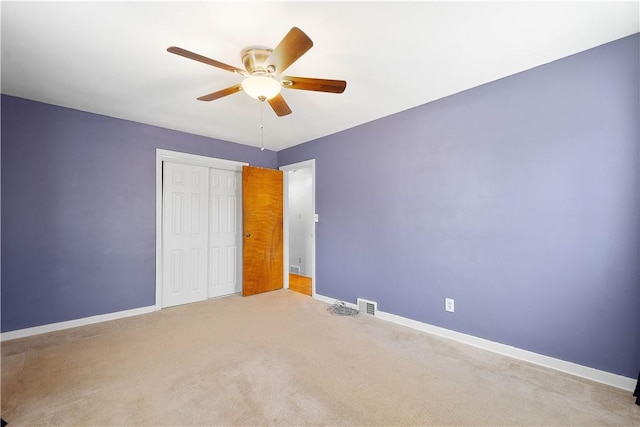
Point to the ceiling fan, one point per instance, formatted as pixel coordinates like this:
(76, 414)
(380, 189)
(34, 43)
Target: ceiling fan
(263, 69)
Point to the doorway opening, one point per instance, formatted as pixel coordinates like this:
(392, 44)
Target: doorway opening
(299, 227)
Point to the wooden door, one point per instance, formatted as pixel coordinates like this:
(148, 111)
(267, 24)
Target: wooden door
(263, 252)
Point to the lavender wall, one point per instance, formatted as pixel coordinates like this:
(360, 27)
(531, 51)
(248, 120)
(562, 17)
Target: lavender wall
(519, 198)
(78, 210)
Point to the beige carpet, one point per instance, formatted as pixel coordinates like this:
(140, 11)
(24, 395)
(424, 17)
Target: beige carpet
(281, 359)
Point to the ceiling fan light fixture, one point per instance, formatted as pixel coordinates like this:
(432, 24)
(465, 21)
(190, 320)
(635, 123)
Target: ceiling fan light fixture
(261, 87)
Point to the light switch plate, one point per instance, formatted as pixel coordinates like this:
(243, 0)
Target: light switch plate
(449, 305)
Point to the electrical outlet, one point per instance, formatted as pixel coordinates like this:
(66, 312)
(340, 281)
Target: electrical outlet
(449, 305)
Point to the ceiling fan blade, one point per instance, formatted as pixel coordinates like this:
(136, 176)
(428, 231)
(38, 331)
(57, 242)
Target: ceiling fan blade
(319, 85)
(219, 94)
(204, 59)
(292, 47)
(279, 105)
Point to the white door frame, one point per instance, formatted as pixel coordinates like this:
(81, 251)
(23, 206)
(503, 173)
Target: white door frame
(300, 165)
(184, 158)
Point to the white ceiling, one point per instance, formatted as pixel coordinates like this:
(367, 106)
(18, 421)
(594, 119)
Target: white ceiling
(110, 58)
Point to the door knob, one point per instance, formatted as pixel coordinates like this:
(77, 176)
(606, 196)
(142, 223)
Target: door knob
(247, 235)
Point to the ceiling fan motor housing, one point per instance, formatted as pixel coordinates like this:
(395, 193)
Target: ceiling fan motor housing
(253, 59)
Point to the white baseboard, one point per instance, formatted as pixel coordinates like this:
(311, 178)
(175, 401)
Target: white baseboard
(592, 374)
(52, 327)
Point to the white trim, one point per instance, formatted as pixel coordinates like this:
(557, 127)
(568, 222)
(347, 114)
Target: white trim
(196, 160)
(185, 158)
(285, 218)
(53, 327)
(571, 368)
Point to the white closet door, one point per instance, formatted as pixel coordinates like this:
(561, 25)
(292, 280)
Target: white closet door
(185, 225)
(225, 233)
